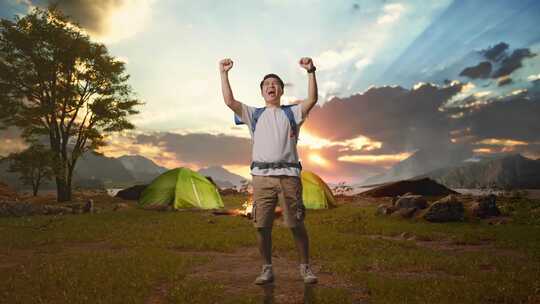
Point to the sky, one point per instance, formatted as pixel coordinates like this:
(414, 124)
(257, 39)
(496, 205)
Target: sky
(394, 77)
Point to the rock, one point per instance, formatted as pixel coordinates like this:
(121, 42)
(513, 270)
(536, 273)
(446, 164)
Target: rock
(385, 210)
(447, 209)
(75, 208)
(120, 206)
(8, 208)
(405, 235)
(485, 207)
(412, 201)
(50, 210)
(404, 212)
(27, 209)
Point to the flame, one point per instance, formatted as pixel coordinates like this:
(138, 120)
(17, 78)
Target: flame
(247, 209)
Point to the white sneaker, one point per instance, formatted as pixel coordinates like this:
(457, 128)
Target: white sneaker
(307, 274)
(266, 276)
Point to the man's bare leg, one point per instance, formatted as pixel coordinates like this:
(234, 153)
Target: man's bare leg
(264, 238)
(302, 242)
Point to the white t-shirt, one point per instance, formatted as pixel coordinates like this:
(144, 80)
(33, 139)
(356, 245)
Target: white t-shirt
(273, 140)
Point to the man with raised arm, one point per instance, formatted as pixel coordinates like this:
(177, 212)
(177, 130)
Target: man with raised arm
(275, 166)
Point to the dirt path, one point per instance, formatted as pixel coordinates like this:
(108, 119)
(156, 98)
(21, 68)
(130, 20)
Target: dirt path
(236, 272)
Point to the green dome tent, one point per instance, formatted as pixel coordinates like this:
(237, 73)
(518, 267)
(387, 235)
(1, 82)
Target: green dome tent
(181, 188)
(315, 192)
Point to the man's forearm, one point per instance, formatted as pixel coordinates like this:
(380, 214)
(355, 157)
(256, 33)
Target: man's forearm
(313, 95)
(226, 89)
(312, 88)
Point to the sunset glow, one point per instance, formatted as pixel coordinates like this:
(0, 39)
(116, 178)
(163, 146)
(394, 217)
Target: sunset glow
(243, 171)
(360, 143)
(502, 142)
(375, 159)
(318, 160)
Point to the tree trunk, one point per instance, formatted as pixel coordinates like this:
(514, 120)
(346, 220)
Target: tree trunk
(63, 193)
(36, 184)
(63, 181)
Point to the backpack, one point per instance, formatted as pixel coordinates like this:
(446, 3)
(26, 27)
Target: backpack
(258, 112)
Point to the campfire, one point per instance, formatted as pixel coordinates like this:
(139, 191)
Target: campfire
(245, 210)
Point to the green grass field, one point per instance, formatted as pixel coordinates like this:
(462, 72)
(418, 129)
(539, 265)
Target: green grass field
(130, 256)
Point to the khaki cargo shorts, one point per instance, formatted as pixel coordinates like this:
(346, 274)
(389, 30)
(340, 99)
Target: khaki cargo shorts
(268, 190)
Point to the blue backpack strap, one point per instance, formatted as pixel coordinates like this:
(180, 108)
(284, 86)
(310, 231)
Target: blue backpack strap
(237, 120)
(256, 114)
(290, 115)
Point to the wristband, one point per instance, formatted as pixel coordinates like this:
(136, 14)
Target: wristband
(312, 70)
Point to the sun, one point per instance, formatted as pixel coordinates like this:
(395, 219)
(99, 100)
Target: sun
(318, 160)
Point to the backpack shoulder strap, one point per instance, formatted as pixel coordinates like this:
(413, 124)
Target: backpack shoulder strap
(290, 115)
(256, 114)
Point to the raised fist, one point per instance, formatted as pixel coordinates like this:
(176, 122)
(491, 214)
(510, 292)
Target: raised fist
(225, 65)
(306, 63)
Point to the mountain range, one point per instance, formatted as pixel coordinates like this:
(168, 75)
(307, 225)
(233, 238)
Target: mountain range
(95, 171)
(508, 172)
(421, 162)
(222, 177)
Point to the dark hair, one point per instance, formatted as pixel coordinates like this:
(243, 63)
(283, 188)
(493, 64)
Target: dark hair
(273, 76)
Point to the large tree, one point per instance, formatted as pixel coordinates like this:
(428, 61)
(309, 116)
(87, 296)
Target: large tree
(56, 82)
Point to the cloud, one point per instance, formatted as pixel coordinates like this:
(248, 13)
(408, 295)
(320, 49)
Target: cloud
(513, 117)
(495, 53)
(513, 62)
(533, 77)
(331, 59)
(385, 160)
(329, 88)
(500, 62)
(362, 63)
(201, 149)
(106, 20)
(481, 70)
(505, 80)
(391, 13)
(398, 118)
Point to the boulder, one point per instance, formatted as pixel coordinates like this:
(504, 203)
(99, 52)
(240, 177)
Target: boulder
(27, 209)
(8, 208)
(447, 209)
(383, 209)
(485, 207)
(411, 201)
(404, 212)
(50, 210)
